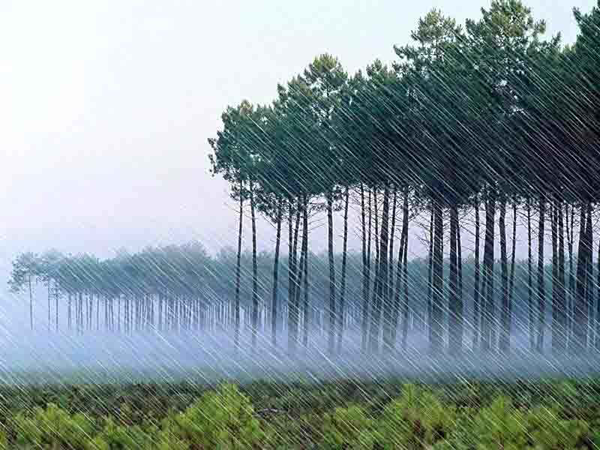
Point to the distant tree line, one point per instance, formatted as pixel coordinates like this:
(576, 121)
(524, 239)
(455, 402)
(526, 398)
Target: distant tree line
(483, 121)
(182, 288)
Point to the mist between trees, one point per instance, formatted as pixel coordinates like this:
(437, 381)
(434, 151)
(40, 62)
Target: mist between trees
(490, 120)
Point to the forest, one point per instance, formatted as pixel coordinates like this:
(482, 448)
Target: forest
(472, 129)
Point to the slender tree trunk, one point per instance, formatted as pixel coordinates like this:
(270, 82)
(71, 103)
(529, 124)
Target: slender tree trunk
(460, 276)
(365, 286)
(306, 305)
(511, 287)
(541, 290)
(391, 256)
(332, 308)
(293, 310)
(570, 289)
(488, 338)
(580, 327)
(399, 271)
(561, 307)
(532, 338)
(405, 303)
(343, 282)
(376, 211)
(387, 324)
(455, 301)
(49, 312)
(504, 341)
(476, 297)
(597, 342)
(555, 286)
(437, 308)
(430, 277)
(572, 273)
(254, 270)
(30, 302)
(381, 289)
(69, 306)
(238, 271)
(275, 275)
(367, 306)
(589, 297)
(56, 295)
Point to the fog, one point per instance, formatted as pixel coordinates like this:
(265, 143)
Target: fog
(106, 111)
(211, 357)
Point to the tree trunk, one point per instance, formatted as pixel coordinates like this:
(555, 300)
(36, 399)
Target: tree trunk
(399, 272)
(438, 280)
(476, 297)
(570, 294)
(597, 342)
(511, 287)
(275, 275)
(238, 269)
(306, 311)
(555, 287)
(381, 289)
(49, 312)
(530, 280)
(391, 256)
(572, 273)
(589, 273)
(580, 326)
(488, 338)
(332, 308)
(561, 307)
(366, 281)
(293, 310)
(30, 302)
(367, 317)
(430, 277)
(455, 303)
(405, 304)
(56, 295)
(254, 270)
(504, 341)
(343, 282)
(541, 290)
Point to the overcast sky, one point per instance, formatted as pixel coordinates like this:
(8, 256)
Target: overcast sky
(106, 107)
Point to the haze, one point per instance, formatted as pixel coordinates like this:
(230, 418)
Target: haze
(106, 107)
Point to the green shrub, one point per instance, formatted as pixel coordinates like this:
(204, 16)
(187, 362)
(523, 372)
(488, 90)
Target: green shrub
(291, 433)
(53, 428)
(415, 421)
(223, 419)
(348, 429)
(500, 426)
(549, 432)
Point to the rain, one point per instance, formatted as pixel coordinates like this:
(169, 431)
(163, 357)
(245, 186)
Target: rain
(298, 227)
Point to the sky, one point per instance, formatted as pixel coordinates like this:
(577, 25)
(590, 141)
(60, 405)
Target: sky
(106, 107)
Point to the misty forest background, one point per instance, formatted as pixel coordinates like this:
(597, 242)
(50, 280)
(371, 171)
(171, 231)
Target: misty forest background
(476, 133)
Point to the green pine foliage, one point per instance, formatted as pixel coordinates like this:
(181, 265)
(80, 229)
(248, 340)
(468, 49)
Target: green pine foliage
(478, 417)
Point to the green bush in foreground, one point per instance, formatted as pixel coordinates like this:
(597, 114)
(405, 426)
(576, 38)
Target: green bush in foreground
(225, 419)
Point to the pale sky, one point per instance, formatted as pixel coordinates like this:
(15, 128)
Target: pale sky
(106, 106)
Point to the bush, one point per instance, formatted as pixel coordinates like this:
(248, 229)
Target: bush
(223, 419)
(348, 429)
(500, 426)
(549, 432)
(53, 428)
(415, 421)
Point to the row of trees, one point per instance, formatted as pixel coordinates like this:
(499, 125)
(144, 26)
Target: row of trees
(182, 288)
(469, 121)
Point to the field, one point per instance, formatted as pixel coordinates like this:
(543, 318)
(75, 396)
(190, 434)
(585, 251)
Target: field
(345, 414)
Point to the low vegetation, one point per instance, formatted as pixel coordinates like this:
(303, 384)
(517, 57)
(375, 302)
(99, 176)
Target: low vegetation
(391, 415)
